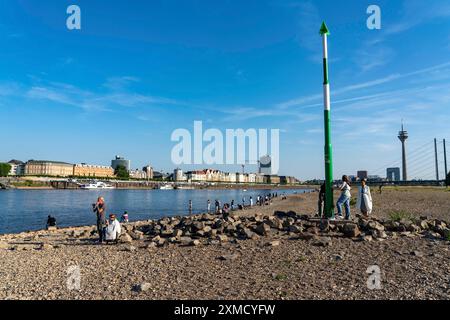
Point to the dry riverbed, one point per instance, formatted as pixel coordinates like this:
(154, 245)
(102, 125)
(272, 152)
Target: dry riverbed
(273, 265)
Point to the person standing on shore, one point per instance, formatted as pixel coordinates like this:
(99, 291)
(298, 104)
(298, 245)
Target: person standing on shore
(232, 205)
(209, 206)
(216, 205)
(251, 202)
(364, 199)
(344, 199)
(99, 209)
(321, 201)
(190, 206)
(243, 203)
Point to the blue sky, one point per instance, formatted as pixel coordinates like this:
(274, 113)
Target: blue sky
(140, 69)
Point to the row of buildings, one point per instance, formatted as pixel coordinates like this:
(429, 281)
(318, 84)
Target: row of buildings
(211, 175)
(392, 175)
(64, 169)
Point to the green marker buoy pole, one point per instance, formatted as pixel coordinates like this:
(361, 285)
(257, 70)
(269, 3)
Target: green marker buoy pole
(329, 202)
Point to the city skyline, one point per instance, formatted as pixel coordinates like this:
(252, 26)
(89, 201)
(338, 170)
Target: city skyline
(132, 75)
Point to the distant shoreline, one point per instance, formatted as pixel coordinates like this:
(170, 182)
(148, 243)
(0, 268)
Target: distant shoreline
(220, 187)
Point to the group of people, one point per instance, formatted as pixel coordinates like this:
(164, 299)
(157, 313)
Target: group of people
(364, 202)
(108, 230)
(261, 200)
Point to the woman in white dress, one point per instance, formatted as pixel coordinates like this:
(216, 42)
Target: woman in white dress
(364, 199)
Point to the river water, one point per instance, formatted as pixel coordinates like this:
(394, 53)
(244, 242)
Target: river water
(24, 210)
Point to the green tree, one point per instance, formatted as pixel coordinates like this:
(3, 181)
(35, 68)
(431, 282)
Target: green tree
(5, 168)
(121, 172)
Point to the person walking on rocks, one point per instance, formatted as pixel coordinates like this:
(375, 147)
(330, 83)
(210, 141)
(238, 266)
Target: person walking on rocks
(344, 199)
(364, 203)
(232, 205)
(99, 209)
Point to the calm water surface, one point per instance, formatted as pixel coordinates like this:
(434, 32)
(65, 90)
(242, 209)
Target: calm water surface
(23, 210)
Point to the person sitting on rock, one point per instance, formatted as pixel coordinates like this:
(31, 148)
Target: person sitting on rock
(51, 222)
(113, 229)
(124, 218)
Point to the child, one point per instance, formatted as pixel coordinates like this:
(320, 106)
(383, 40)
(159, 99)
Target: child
(364, 199)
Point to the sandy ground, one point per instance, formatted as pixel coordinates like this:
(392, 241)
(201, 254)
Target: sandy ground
(293, 270)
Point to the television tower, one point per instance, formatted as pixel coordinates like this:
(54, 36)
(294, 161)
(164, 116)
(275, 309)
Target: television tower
(403, 136)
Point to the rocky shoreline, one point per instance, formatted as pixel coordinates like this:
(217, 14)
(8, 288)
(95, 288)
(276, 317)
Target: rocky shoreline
(261, 253)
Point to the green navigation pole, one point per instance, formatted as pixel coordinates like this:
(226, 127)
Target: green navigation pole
(329, 202)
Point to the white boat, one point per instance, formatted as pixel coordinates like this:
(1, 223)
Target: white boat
(166, 187)
(96, 185)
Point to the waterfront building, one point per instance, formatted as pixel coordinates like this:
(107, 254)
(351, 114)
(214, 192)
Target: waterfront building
(198, 176)
(259, 178)
(48, 168)
(393, 174)
(240, 178)
(87, 170)
(121, 161)
(178, 175)
(138, 174)
(272, 179)
(17, 168)
(251, 177)
(265, 165)
(149, 172)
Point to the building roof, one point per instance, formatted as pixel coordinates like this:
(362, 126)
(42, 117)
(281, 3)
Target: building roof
(14, 161)
(48, 161)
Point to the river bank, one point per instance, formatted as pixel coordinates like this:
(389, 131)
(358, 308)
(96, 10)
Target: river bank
(300, 262)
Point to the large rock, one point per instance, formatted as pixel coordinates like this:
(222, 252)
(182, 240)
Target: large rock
(262, 229)
(177, 233)
(306, 236)
(323, 242)
(377, 234)
(351, 230)
(136, 235)
(185, 241)
(143, 287)
(198, 225)
(222, 238)
(125, 238)
(275, 243)
(375, 225)
(276, 223)
(295, 229)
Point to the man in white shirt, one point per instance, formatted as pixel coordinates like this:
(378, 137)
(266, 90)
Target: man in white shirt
(113, 229)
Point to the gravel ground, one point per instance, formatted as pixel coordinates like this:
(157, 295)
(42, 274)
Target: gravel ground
(411, 267)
